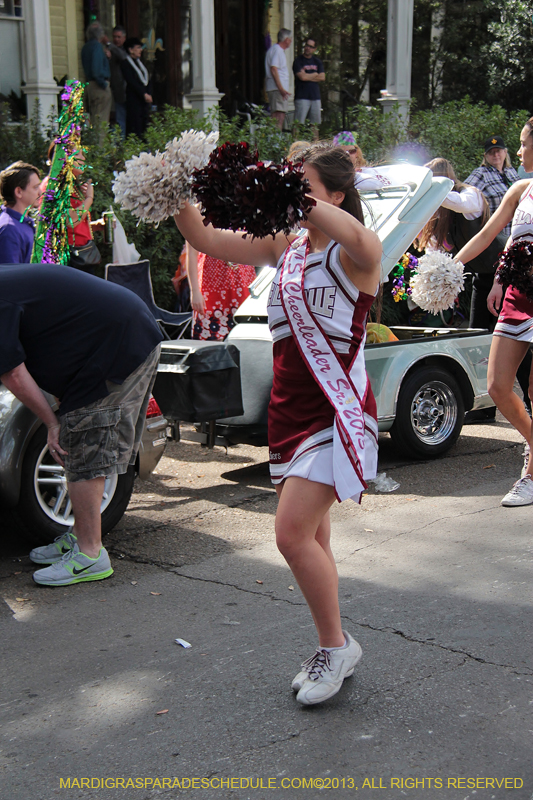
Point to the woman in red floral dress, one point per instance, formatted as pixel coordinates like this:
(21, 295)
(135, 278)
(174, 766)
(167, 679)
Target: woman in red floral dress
(217, 290)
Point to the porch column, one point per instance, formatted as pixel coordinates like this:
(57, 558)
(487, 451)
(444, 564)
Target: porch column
(399, 53)
(40, 83)
(286, 19)
(204, 94)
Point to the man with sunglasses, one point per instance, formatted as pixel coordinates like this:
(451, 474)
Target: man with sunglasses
(308, 72)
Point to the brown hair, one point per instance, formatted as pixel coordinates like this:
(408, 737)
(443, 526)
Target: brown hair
(439, 224)
(337, 173)
(361, 160)
(17, 175)
(296, 149)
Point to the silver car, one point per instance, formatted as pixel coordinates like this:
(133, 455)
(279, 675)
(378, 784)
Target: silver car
(33, 485)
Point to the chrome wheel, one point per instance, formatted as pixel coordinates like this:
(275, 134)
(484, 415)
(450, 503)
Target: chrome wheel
(51, 492)
(434, 412)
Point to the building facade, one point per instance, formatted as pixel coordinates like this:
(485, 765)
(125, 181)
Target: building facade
(199, 52)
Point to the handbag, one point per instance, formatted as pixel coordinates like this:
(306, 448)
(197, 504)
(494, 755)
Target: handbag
(85, 257)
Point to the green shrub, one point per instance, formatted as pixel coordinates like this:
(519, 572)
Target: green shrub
(457, 130)
(24, 141)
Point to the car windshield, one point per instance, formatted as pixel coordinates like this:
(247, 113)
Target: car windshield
(380, 205)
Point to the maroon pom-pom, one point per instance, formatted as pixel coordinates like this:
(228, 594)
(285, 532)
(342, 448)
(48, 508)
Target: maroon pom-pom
(214, 185)
(515, 268)
(240, 193)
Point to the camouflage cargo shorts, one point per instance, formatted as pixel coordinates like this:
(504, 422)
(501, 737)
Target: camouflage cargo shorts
(103, 438)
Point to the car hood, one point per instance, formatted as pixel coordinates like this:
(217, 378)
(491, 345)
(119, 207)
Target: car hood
(401, 207)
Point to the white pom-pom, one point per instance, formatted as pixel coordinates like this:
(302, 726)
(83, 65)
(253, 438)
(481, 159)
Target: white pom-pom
(437, 283)
(154, 187)
(135, 189)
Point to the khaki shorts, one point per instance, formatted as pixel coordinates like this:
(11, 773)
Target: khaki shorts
(103, 438)
(276, 101)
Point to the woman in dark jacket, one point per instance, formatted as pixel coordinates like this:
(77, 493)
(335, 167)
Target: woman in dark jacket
(138, 88)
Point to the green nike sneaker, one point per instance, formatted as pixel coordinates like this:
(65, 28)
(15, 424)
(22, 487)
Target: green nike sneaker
(50, 553)
(75, 567)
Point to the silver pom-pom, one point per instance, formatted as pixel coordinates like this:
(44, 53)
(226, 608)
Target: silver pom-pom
(438, 281)
(155, 186)
(136, 189)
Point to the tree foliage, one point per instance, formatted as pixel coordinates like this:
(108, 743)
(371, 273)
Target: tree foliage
(476, 48)
(508, 55)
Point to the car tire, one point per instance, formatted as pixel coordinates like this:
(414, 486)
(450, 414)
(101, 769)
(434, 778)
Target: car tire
(44, 506)
(429, 413)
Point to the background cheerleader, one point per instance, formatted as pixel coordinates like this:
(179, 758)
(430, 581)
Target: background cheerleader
(513, 332)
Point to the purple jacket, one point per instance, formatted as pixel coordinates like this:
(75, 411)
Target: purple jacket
(16, 237)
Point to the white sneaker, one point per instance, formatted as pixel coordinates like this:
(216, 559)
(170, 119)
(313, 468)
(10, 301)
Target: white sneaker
(50, 553)
(521, 494)
(298, 682)
(526, 460)
(326, 670)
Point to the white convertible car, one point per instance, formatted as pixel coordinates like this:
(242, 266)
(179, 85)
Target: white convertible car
(423, 382)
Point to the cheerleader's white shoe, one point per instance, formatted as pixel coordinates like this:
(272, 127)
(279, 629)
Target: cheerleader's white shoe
(521, 494)
(326, 670)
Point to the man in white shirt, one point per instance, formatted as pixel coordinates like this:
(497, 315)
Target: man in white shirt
(277, 77)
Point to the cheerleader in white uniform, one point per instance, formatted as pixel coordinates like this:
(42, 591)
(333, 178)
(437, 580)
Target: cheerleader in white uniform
(322, 426)
(513, 333)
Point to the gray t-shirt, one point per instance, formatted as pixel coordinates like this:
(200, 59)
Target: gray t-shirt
(275, 57)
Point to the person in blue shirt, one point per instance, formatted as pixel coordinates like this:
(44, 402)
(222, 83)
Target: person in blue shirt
(20, 188)
(97, 72)
(308, 73)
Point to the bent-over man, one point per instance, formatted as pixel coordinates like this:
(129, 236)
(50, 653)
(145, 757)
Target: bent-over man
(94, 346)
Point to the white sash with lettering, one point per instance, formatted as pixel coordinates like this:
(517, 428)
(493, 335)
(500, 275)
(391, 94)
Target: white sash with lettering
(330, 374)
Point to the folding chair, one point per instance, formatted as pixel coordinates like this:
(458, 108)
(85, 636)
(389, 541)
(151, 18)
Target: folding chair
(136, 278)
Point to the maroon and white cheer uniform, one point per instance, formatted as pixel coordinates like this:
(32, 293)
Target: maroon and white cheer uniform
(300, 415)
(516, 315)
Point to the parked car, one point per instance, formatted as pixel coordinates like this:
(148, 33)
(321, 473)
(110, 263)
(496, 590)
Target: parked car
(33, 485)
(423, 383)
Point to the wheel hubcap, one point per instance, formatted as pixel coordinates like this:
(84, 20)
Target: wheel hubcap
(50, 485)
(434, 412)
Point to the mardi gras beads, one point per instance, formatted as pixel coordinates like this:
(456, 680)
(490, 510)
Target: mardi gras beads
(400, 283)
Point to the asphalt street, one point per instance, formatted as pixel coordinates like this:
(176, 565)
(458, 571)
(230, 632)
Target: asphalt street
(98, 701)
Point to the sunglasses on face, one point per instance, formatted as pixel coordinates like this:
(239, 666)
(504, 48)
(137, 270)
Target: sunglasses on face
(310, 46)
